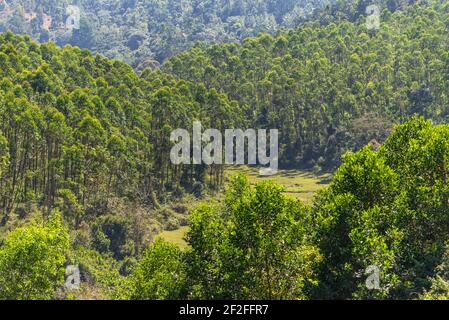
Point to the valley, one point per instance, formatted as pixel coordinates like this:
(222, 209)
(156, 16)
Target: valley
(100, 200)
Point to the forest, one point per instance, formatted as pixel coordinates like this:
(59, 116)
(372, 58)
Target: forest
(86, 178)
(146, 32)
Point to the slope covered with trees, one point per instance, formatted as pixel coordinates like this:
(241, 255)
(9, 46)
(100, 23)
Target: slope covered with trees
(88, 136)
(90, 127)
(333, 87)
(386, 210)
(145, 32)
(85, 165)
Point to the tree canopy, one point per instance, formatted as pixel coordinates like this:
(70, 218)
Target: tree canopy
(32, 260)
(86, 176)
(146, 32)
(335, 86)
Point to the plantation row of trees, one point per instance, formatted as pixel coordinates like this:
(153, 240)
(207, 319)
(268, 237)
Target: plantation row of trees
(386, 208)
(85, 170)
(334, 87)
(84, 129)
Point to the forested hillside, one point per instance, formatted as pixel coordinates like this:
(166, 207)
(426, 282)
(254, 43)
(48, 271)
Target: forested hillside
(146, 32)
(86, 178)
(385, 209)
(87, 136)
(334, 87)
(91, 126)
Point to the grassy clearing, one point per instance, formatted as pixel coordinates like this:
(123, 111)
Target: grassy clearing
(176, 237)
(301, 184)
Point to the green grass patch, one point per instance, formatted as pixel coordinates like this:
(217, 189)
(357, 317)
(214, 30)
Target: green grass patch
(176, 237)
(298, 183)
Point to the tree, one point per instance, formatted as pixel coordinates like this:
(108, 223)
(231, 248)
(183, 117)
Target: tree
(257, 242)
(32, 260)
(4, 153)
(159, 275)
(388, 209)
(440, 284)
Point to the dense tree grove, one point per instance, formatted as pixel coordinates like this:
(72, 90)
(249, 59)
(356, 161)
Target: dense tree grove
(334, 87)
(386, 208)
(146, 32)
(85, 129)
(86, 178)
(88, 136)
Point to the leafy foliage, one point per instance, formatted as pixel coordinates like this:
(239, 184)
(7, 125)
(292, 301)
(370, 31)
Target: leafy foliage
(146, 32)
(159, 275)
(32, 260)
(256, 242)
(335, 86)
(386, 208)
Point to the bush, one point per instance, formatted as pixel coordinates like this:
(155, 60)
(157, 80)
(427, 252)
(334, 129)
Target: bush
(32, 260)
(159, 275)
(254, 246)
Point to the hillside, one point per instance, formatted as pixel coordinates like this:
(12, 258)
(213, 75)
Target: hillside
(334, 87)
(88, 188)
(88, 137)
(146, 32)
